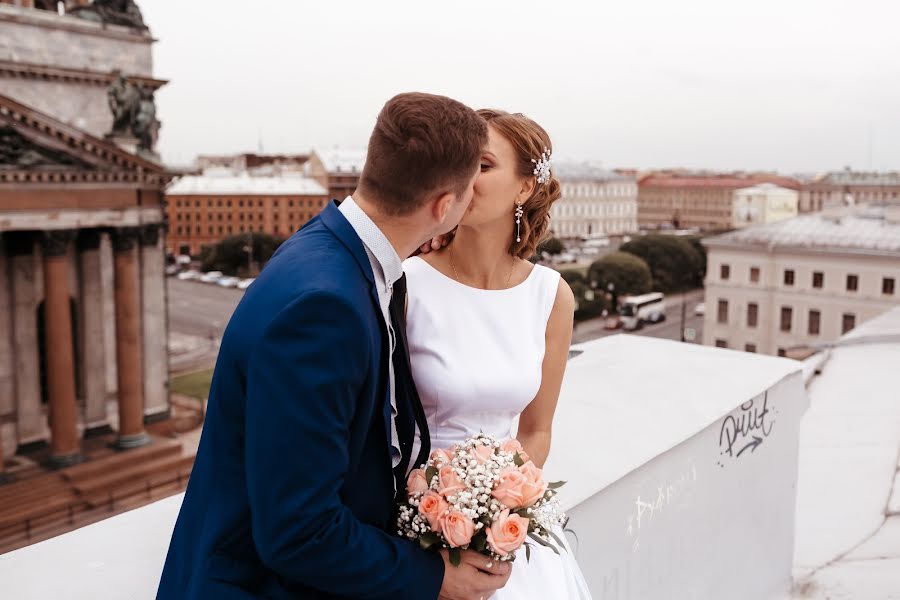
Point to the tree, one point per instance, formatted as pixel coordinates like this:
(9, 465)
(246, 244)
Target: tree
(674, 263)
(551, 246)
(232, 256)
(697, 244)
(627, 273)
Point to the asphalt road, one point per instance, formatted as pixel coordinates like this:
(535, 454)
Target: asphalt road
(200, 309)
(668, 329)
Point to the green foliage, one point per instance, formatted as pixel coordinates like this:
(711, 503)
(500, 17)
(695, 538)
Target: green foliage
(674, 263)
(551, 246)
(628, 274)
(195, 385)
(231, 257)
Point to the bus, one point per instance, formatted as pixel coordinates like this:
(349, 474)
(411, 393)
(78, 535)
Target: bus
(647, 308)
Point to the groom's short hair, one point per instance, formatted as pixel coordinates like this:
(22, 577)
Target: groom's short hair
(422, 145)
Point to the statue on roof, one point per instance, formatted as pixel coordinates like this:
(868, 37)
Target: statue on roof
(134, 112)
(114, 12)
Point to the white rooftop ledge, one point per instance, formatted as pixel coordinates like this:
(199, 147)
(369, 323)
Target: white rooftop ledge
(660, 507)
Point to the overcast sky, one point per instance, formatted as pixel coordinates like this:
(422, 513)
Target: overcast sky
(792, 85)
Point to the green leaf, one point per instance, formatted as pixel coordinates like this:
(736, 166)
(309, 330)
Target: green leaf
(455, 556)
(428, 539)
(518, 460)
(479, 542)
(557, 540)
(555, 485)
(543, 542)
(430, 474)
(527, 552)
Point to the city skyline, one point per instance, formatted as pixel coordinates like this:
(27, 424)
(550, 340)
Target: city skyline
(800, 87)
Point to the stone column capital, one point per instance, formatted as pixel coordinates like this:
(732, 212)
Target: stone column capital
(150, 234)
(124, 238)
(56, 242)
(19, 243)
(89, 239)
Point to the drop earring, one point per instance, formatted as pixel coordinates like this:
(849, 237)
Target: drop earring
(519, 212)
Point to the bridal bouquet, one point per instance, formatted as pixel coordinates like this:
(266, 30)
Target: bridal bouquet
(482, 495)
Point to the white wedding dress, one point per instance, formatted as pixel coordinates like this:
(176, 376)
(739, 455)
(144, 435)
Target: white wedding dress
(476, 358)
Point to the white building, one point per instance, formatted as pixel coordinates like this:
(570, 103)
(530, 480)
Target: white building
(801, 282)
(594, 201)
(762, 204)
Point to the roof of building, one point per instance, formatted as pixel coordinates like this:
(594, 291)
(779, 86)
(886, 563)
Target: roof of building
(222, 182)
(847, 540)
(847, 177)
(586, 171)
(764, 188)
(714, 180)
(343, 160)
(863, 228)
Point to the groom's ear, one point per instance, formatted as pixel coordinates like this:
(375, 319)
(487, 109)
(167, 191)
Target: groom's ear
(442, 205)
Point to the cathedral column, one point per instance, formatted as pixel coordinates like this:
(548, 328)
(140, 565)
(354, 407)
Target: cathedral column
(153, 303)
(24, 270)
(63, 408)
(93, 327)
(129, 363)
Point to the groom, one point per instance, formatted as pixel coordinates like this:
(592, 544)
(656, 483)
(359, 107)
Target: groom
(312, 410)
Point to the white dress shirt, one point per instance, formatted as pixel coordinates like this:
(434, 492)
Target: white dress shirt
(387, 268)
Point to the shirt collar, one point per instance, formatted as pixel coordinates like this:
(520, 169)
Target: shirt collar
(374, 239)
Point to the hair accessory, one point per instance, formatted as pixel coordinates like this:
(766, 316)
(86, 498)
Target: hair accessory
(542, 167)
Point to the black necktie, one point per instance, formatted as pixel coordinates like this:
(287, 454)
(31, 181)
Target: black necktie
(410, 413)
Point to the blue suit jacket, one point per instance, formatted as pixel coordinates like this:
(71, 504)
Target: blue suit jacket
(291, 495)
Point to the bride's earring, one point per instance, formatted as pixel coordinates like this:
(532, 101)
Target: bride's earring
(519, 212)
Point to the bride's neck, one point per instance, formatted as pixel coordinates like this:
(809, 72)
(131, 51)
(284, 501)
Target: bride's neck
(481, 258)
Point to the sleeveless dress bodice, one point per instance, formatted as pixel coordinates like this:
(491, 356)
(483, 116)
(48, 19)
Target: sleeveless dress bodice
(476, 354)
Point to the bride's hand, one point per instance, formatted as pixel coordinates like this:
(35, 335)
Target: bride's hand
(437, 242)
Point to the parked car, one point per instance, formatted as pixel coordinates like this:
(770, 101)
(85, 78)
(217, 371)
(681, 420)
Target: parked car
(172, 270)
(612, 322)
(245, 283)
(228, 282)
(565, 258)
(189, 275)
(183, 259)
(700, 309)
(211, 277)
(590, 251)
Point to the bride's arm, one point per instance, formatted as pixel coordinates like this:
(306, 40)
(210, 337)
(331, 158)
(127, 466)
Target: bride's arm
(536, 421)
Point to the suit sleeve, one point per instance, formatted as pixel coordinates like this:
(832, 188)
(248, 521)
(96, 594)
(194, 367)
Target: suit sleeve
(305, 376)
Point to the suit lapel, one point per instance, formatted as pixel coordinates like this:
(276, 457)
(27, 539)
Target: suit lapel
(342, 229)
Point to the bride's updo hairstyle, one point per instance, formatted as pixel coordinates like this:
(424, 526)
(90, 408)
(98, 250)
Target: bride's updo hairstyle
(530, 142)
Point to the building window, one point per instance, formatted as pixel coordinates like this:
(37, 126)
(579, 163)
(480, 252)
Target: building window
(752, 314)
(754, 274)
(781, 352)
(241, 203)
(721, 344)
(848, 322)
(722, 315)
(749, 347)
(818, 279)
(887, 286)
(815, 318)
(724, 272)
(788, 277)
(852, 283)
(787, 314)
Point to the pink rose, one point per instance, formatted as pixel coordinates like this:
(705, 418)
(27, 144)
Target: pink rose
(440, 456)
(433, 507)
(449, 482)
(513, 446)
(416, 482)
(508, 487)
(507, 533)
(533, 487)
(483, 454)
(457, 529)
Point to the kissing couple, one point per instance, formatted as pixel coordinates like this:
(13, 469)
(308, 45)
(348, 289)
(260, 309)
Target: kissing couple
(344, 365)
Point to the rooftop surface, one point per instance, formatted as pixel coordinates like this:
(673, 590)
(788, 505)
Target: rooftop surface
(863, 229)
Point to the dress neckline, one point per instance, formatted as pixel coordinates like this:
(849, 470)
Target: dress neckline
(531, 273)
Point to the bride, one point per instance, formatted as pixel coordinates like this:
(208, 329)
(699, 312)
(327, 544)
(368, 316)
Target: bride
(489, 332)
